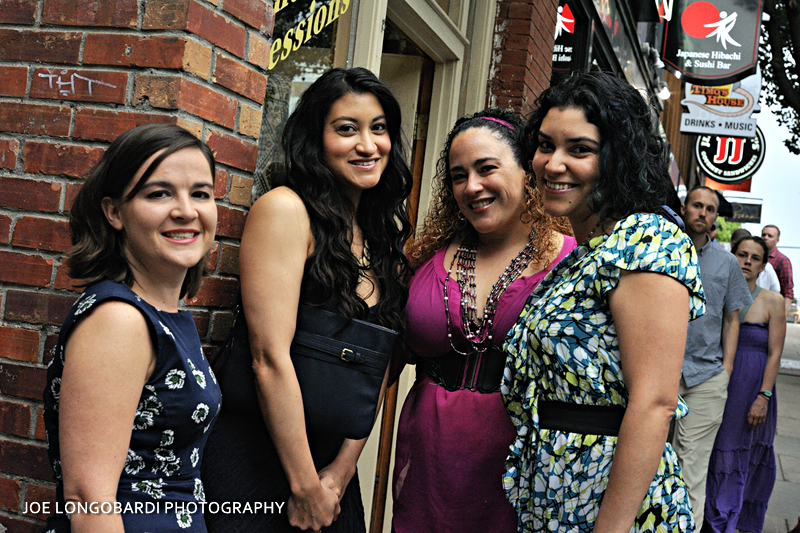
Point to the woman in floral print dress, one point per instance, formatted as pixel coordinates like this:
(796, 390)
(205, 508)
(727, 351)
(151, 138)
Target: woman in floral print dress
(591, 381)
(130, 396)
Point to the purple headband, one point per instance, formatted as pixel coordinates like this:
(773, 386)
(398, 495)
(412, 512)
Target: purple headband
(500, 121)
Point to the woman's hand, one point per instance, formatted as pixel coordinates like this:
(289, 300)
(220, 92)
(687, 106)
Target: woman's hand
(315, 508)
(758, 412)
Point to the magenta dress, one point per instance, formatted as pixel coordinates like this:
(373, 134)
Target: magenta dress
(741, 472)
(452, 446)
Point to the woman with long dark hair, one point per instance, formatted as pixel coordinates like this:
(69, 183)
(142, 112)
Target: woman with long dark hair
(485, 244)
(592, 378)
(333, 237)
(130, 396)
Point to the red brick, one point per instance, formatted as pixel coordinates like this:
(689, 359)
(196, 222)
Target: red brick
(72, 192)
(114, 13)
(165, 15)
(18, 11)
(81, 85)
(106, 125)
(9, 494)
(229, 259)
(24, 269)
(23, 382)
(57, 159)
(40, 430)
(37, 195)
(40, 494)
(515, 57)
(232, 151)
(220, 183)
(258, 53)
(40, 46)
(37, 308)
(201, 320)
(49, 346)
(210, 262)
(230, 222)
(63, 281)
(42, 234)
(520, 11)
(14, 524)
(240, 79)
(5, 229)
(174, 92)
(22, 459)
(125, 49)
(15, 418)
(13, 80)
(212, 27)
(216, 292)
(20, 344)
(518, 27)
(8, 153)
(255, 13)
(221, 327)
(35, 119)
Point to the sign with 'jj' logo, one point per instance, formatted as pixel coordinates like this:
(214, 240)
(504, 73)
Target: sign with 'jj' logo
(730, 159)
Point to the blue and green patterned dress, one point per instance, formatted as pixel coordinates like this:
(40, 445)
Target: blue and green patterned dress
(564, 348)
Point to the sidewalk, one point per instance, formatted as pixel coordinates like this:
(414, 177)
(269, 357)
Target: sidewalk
(784, 505)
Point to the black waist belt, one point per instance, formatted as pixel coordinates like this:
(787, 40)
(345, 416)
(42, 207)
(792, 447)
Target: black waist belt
(586, 419)
(478, 371)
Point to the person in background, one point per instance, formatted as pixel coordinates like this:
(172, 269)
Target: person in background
(710, 347)
(741, 471)
(783, 267)
(485, 244)
(594, 360)
(130, 396)
(332, 237)
(712, 233)
(768, 279)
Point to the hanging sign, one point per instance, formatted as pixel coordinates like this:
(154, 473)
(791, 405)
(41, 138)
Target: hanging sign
(711, 43)
(570, 50)
(722, 109)
(730, 159)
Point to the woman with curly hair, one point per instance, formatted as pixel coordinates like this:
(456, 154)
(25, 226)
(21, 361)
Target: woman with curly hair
(595, 358)
(332, 236)
(484, 246)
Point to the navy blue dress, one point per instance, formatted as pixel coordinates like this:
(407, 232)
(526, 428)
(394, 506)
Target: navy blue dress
(160, 487)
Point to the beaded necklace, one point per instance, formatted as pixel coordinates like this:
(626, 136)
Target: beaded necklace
(479, 332)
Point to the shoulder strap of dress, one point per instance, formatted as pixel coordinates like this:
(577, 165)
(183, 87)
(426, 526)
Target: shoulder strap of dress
(746, 308)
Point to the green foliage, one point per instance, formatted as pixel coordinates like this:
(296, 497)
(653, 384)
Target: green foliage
(724, 229)
(779, 50)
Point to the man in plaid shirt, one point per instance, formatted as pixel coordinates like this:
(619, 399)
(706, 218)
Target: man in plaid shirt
(783, 267)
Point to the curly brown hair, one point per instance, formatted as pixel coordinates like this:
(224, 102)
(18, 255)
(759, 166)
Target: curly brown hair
(444, 221)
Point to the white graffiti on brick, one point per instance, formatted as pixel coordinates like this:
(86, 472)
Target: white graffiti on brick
(65, 88)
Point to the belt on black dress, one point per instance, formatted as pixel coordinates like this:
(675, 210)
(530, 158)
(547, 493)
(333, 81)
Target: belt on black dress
(585, 419)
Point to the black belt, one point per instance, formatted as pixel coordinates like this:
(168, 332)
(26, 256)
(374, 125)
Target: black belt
(585, 419)
(477, 371)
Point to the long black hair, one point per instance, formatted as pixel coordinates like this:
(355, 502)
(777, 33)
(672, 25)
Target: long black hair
(633, 175)
(381, 212)
(97, 251)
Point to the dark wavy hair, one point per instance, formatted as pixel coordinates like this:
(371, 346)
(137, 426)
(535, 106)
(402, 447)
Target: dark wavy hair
(633, 175)
(381, 212)
(97, 251)
(444, 220)
(758, 240)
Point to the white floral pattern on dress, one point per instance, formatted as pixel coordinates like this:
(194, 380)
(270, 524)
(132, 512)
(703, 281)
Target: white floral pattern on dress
(184, 519)
(85, 304)
(200, 413)
(133, 463)
(166, 461)
(175, 379)
(195, 457)
(152, 487)
(199, 491)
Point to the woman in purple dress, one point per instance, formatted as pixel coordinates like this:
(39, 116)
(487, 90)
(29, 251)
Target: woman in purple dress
(741, 473)
(485, 245)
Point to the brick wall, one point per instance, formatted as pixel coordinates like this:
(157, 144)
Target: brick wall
(522, 52)
(74, 74)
